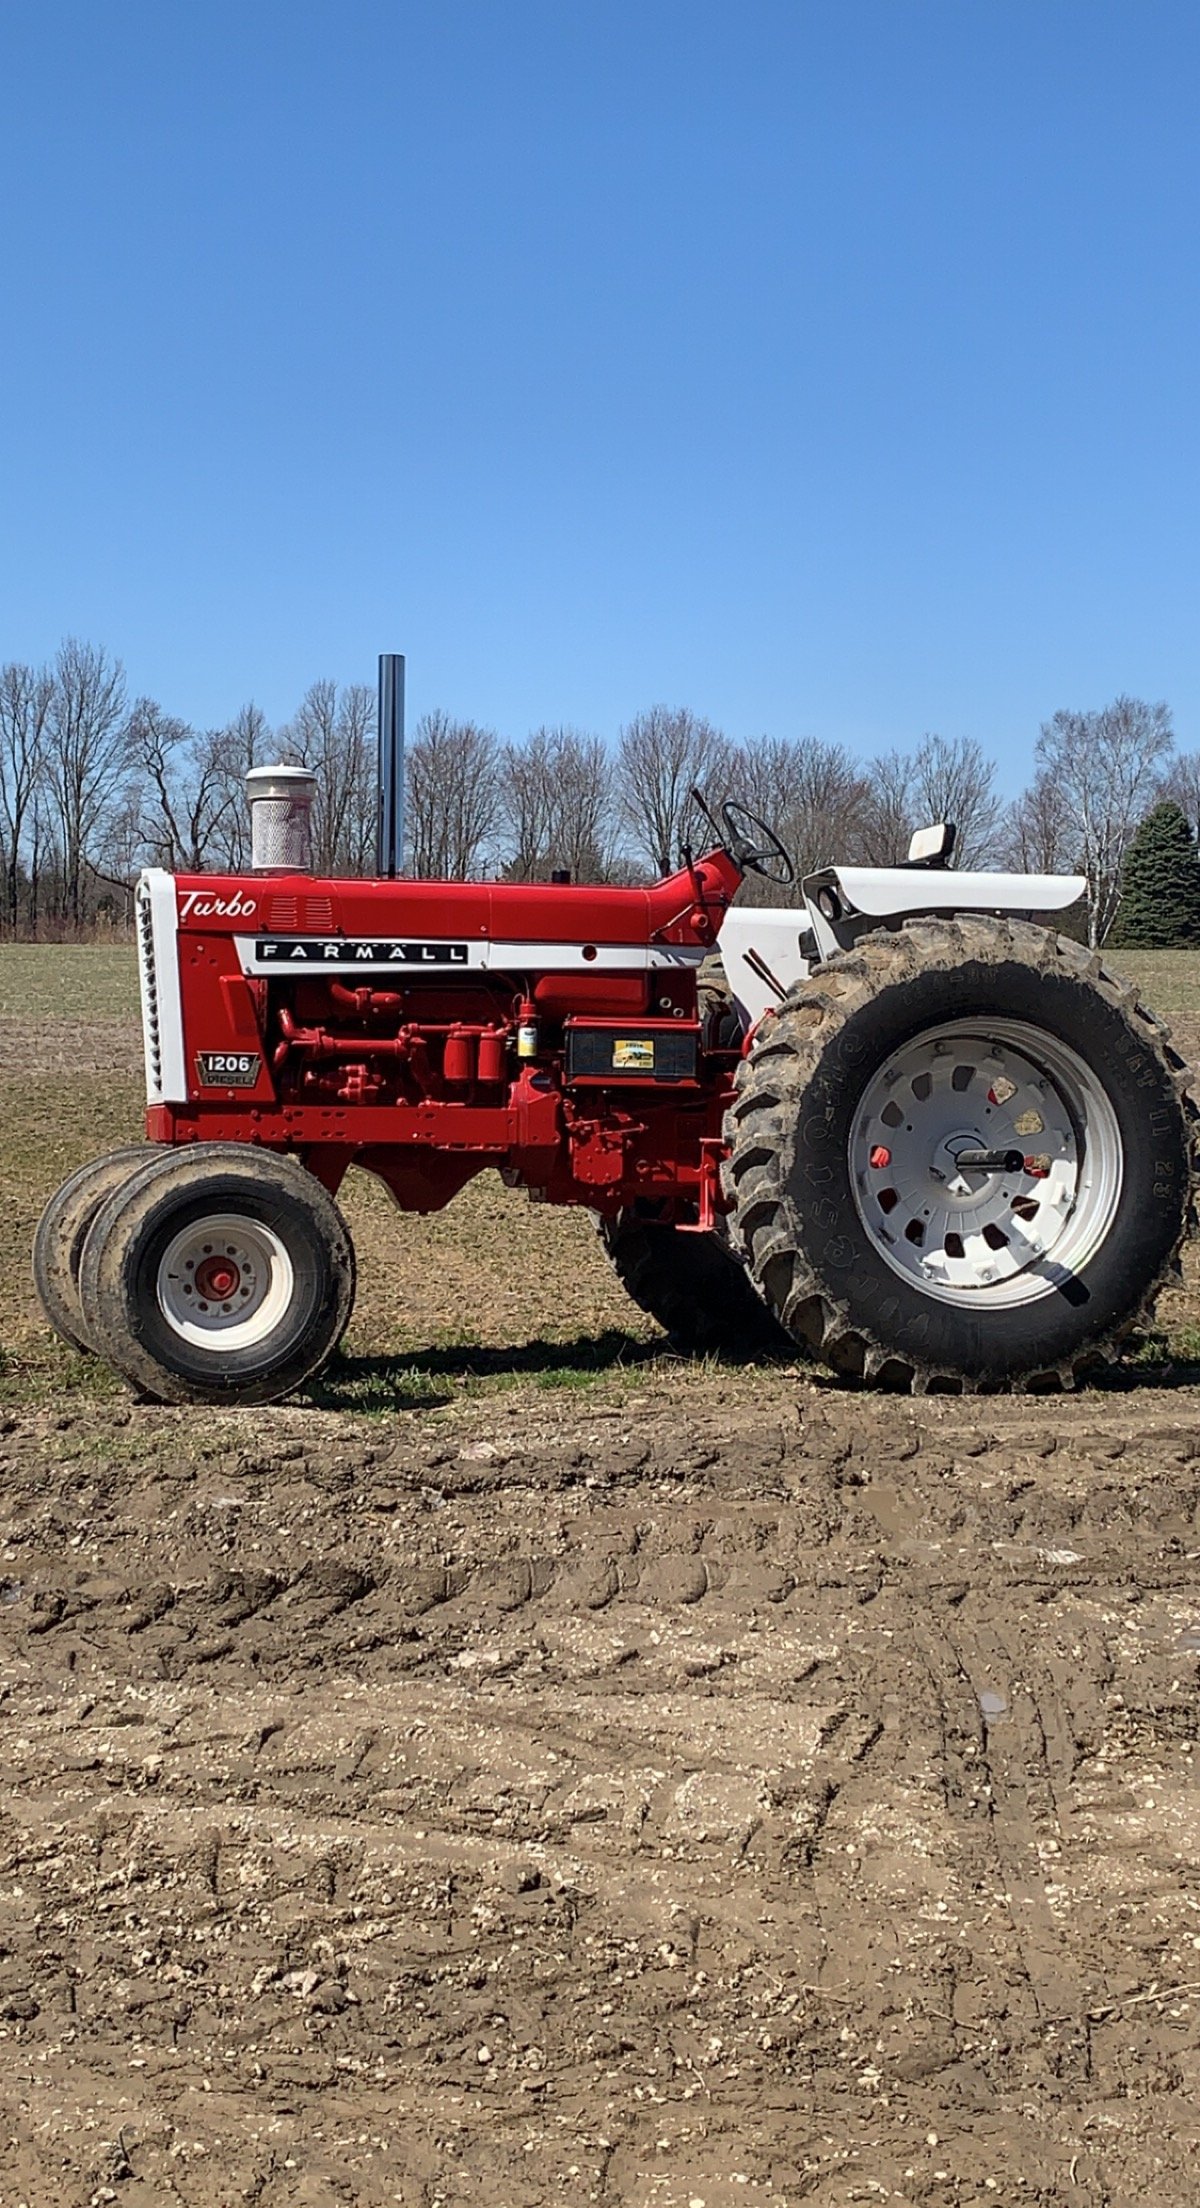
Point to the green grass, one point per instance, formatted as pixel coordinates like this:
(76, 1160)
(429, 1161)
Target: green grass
(609, 1366)
(60, 980)
(1168, 981)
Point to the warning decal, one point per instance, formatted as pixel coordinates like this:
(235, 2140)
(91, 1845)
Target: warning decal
(633, 1054)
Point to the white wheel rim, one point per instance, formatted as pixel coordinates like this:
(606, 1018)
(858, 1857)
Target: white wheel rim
(982, 1239)
(224, 1282)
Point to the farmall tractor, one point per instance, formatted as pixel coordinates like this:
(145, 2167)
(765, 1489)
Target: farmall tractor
(899, 1128)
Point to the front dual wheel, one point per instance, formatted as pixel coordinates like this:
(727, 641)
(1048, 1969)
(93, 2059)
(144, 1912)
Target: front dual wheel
(219, 1275)
(62, 1231)
(961, 1155)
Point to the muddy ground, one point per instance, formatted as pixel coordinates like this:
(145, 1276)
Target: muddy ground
(589, 1781)
(731, 1795)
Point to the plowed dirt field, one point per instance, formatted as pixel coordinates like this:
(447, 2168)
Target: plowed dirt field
(536, 1770)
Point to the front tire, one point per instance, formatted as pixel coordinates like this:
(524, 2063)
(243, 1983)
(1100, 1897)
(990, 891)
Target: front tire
(62, 1231)
(875, 1250)
(221, 1274)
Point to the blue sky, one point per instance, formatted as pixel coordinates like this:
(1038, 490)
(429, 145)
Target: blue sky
(831, 368)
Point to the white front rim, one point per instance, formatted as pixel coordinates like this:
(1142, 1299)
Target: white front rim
(224, 1282)
(985, 1239)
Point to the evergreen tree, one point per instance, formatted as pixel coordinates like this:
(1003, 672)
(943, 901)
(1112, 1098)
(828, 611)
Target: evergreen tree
(1160, 883)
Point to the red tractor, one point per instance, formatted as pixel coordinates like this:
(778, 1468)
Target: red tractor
(905, 1129)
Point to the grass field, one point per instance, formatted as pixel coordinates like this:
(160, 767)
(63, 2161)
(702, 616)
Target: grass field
(68, 980)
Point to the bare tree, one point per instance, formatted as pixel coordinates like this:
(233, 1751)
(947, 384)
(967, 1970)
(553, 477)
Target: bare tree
(310, 740)
(179, 797)
(945, 778)
(37, 848)
(333, 732)
(112, 870)
(357, 726)
(1037, 835)
(582, 838)
(1107, 766)
(556, 794)
(24, 710)
(953, 780)
(811, 793)
(889, 809)
(243, 743)
(452, 797)
(663, 755)
(1182, 782)
(527, 802)
(85, 755)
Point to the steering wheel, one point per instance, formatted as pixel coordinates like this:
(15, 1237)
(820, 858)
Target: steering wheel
(768, 857)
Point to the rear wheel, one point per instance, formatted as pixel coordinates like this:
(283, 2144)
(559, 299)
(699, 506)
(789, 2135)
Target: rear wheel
(61, 1231)
(221, 1274)
(969, 1039)
(693, 1284)
(696, 1285)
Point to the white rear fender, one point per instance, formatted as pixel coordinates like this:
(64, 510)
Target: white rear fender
(765, 953)
(881, 891)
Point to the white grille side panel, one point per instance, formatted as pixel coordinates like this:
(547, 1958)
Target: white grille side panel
(158, 973)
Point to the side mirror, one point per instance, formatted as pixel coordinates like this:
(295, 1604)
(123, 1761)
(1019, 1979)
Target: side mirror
(932, 846)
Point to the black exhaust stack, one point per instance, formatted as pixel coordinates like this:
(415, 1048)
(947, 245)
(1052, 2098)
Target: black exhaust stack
(390, 841)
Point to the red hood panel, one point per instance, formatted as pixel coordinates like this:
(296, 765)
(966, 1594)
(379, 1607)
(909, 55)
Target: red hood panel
(515, 912)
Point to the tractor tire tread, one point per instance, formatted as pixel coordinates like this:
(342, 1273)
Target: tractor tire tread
(694, 1285)
(763, 1110)
(60, 1234)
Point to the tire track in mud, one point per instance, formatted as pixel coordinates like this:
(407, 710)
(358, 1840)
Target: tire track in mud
(398, 1813)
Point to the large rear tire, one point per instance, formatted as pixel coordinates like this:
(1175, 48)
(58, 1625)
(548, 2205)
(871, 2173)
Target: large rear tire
(875, 1249)
(221, 1274)
(61, 1232)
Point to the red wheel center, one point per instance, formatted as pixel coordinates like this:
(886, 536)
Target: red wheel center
(217, 1278)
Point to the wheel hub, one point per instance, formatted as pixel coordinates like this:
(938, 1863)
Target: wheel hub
(217, 1278)
(985, 1234)
(946, 1174)
(224, 1281)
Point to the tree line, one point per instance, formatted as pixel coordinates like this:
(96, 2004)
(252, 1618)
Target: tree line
(94, 785)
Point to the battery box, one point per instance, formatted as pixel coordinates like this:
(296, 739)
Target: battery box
(633, 1050)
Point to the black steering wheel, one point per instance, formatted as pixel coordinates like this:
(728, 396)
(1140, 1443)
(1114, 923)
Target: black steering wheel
(756, 848)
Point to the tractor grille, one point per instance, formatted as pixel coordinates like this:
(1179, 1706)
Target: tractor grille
(149, 987)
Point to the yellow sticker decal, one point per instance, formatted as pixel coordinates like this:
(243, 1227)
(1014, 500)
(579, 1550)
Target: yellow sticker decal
(633, 1054)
